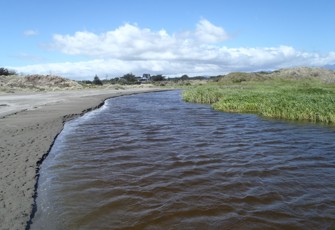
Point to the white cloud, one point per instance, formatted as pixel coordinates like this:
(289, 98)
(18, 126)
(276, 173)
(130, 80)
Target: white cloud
(130, 48)
(209, 33)
(30, 33)
(131, 42)
(225, 60)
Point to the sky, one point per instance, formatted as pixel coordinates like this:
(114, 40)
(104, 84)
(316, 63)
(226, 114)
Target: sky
(109, 38)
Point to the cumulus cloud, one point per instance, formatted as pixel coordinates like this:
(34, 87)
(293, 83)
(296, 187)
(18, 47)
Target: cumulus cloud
(126, 42)
(130, 48)
(209, 33)
(226, 60)
(131, 42)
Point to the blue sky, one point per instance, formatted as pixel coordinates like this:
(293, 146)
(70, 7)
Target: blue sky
(78, 39)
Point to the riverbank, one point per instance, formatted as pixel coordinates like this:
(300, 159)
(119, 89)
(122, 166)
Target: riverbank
(290, 98)
(29, 124)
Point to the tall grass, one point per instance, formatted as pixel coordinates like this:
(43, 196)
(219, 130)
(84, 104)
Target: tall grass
(307, 100)
(204, 94)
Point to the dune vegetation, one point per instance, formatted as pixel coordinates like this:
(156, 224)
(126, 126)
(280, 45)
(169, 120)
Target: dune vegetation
(299, 97)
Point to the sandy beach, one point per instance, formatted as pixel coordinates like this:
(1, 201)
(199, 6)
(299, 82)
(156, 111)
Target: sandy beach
(29, 124)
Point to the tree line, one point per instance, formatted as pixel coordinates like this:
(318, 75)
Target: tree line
(127, 79)
(6, 72)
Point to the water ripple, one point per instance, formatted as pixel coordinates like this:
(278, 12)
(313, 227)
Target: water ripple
(152, 161)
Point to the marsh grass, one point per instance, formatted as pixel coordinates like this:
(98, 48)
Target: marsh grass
(303, 100)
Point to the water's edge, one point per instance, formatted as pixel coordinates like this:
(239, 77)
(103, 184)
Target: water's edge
(68, 118)
(38, 167)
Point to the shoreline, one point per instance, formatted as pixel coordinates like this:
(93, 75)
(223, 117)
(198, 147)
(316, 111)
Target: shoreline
(26, 138)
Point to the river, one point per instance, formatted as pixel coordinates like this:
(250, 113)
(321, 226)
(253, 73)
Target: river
(152, 161)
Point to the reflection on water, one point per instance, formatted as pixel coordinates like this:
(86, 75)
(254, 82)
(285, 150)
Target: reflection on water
(151, 161)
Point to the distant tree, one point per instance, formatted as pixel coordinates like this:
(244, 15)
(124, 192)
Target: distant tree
(97, 81)
(114, 80)
(6, 72)
(85, 82)
(184, 77)
(129, 78)
(158, 77)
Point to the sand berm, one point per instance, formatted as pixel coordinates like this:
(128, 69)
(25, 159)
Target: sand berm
(29, 124)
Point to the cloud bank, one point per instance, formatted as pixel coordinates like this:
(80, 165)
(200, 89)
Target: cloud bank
(201, 51)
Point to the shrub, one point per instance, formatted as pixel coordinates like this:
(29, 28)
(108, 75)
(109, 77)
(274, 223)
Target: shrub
(97, 81)
(6, 72)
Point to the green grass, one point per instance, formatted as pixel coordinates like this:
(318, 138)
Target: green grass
(301, 100)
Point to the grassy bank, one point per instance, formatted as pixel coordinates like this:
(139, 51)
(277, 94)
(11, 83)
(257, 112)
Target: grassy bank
(293, 99)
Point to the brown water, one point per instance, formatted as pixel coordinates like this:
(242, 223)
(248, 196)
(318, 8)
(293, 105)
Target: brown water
(151, 161)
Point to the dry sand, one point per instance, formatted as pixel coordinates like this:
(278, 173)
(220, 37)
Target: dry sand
(29, 124)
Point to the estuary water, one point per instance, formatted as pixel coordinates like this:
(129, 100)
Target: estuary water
(152, 161)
